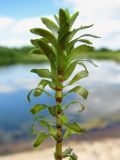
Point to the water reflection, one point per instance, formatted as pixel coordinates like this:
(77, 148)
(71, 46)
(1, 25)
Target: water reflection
(15, 81)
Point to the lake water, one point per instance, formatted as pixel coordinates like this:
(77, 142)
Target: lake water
(103, 84)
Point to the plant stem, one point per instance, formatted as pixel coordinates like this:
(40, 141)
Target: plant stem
(58, 125)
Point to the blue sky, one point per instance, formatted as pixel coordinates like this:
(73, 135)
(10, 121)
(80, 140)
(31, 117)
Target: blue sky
(28, 8)
(18, 16)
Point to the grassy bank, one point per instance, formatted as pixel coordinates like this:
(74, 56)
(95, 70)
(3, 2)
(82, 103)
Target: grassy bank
(10, 56)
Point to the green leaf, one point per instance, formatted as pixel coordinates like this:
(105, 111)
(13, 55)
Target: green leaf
(38, 91)
(63, 18)
(74, 127)
(37, 108)
(52, 111)
(89, 35)
(74, 102)
(45, 48)
(85, 27)
(37, 51)
(85, 41)
(72, 43)
(63, 34)
(52, 131)
(42, 73)
(43, 123)
(78, 76)
(78, 50)
(82, 107)
(57, 19)
(68, 105)
(39, 140)
(48, 51)
(45, 34)
(50, 25)
(73, 18)
(64, 26)
(73, 157)
(71, 68)
(29, 94)
(79, 90)
(67, 133)
(67, 152)
(90, 61)
(64, 119)
(39, 117)
(72, 33)
(67, 13)
(51, 84)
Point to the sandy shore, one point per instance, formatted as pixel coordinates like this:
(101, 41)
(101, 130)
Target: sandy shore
(108, 149)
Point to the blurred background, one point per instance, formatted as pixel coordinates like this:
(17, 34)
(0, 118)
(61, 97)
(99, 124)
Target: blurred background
(102, 114)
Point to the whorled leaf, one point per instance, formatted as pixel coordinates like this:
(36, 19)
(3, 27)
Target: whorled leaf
(29, 94)
(64, 26)
(51, 84)
(71, 68)
(69, 104)
(67, 152)
(72, 103)
(37, 119)
(67, 13)
(63, 18)
(40, 138)
(73, 18)
(72, 33)
(73, 157)
(52, 111)
(71, 44)
(75, 53)
(45, 73)
(89, 35)
(48, 51)
(90, 61)
(78, 76)
(51, 26)
(85, 41)
(67, 133)
(64, 119)
(37, 51)
(78, 90)
(49, 126)
(37, 108)
(39, 90)
(85, 27)
(74, 127)
(45, 34)
(57, 19)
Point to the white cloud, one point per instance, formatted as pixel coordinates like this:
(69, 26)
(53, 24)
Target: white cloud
(16, 32)
(6, 89)
(104, 14)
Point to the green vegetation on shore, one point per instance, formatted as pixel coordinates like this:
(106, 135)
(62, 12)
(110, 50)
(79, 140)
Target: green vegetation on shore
(10, 56)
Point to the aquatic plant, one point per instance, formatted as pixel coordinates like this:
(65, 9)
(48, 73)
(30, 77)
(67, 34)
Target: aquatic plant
(59, 46)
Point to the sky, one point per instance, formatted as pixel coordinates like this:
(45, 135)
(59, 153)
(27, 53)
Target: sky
(18, 16)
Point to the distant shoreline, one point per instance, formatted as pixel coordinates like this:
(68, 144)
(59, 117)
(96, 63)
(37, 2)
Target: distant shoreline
(106, 149)
(95, 134)
(23, 55)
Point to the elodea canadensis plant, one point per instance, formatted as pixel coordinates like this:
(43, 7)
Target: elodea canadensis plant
(59, 46)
